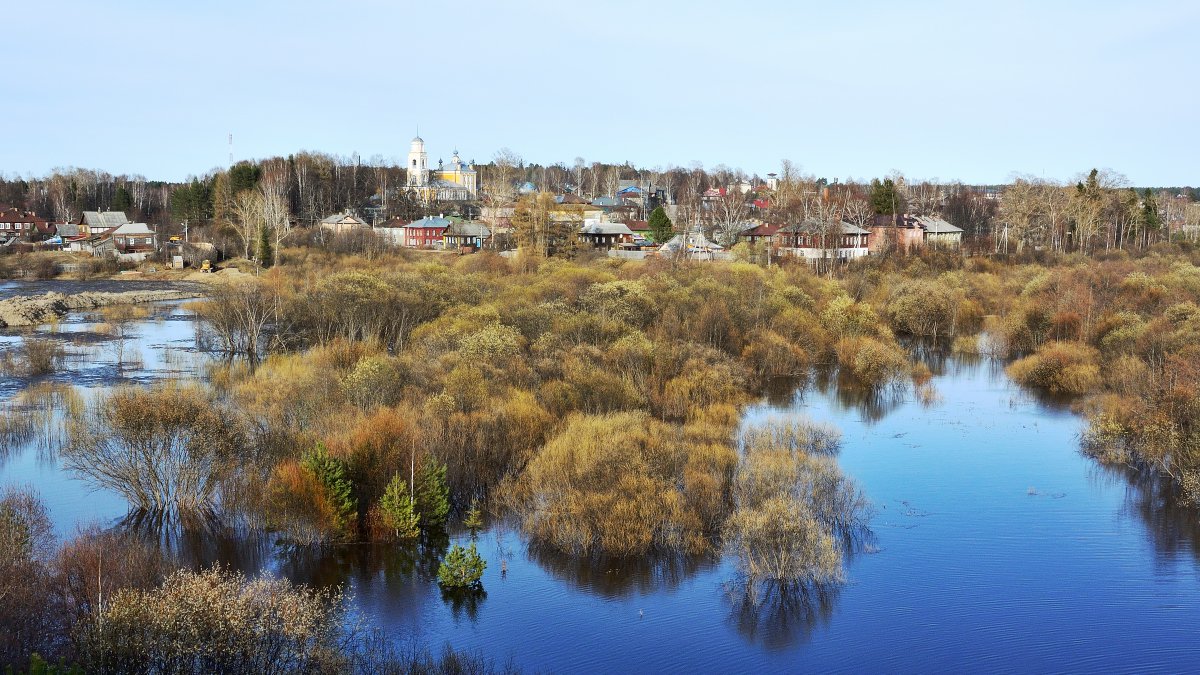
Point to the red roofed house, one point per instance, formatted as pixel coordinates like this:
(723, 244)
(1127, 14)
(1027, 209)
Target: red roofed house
(20, 223)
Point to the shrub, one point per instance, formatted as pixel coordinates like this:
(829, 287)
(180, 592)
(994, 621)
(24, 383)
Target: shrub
(164, 448)
(1059, 368)
(26, 544)
(793, 507)
(218, 621)
(621, 484)
(872, 363)
(40, 356)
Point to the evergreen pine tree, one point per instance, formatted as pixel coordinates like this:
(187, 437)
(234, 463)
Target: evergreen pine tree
(661, 228)
(474, 519)
(265, 255)
(398, 509)
(462, 568)
(432, 494)
(122, 200)
(333, 474)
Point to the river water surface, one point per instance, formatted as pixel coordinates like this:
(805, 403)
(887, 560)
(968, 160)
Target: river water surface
(996, 547)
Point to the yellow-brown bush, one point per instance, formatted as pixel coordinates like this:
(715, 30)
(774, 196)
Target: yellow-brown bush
(1059, 368)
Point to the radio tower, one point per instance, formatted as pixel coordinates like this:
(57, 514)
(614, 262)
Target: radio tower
(230, 151)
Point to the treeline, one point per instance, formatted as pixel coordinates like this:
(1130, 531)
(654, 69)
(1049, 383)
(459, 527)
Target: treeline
(1099, 211)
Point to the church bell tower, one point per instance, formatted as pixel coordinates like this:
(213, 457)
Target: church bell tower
(418, 164)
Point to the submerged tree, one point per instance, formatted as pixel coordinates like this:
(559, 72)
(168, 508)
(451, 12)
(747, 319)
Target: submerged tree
(462, 568)
(163, 448)
(432, 494)
(333, 474)
(794, 510)
(398, 509)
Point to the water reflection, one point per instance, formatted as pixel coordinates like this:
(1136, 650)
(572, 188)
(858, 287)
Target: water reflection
(1171, 521)
(619, 577)
(199, 540)
(779, 616)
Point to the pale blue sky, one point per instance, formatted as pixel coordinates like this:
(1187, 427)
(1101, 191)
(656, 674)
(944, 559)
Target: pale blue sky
(949, 90)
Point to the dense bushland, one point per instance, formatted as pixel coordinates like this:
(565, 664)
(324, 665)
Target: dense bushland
(596, 402)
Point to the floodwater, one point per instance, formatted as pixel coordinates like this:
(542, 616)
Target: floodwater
(997, 547)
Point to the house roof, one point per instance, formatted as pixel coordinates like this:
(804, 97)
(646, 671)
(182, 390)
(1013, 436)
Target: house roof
(132, 229)
(809, 226)
(468, 230)
(104, 219)
(639, 225)
(437, 222)
(68, 229)
(763, 230)
(12, 214)
(569, 198)
(606, 228)
(345, 218)
(935, 225)
(694, 240)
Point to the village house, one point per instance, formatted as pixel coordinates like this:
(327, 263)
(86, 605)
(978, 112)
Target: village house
(425, 233)
(343, 222)
(907, 231)
(605, 235)
(16, 222)
(134, 238)
(762, 234)
(466, 235)
(99, 222)
(813, 240)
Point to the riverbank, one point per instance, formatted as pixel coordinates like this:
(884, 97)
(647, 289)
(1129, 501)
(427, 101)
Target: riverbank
(32, 310)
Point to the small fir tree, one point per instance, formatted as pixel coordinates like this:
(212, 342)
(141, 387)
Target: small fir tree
(661, 228)
(474, 518)
(432, 494)
(265, 255)
(398, 509)
(333, 474)
(462, 568)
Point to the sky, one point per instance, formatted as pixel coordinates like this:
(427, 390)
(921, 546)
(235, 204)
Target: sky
(970, 91)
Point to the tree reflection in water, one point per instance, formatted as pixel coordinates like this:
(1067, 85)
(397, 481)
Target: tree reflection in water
(201, 539)
(619, 577)
(780, 615)
(464, 602)
(1172, 523)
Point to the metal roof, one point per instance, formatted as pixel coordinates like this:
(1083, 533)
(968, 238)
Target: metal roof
(468, 230)
(606, 228)
(104, 219)
(936, 225)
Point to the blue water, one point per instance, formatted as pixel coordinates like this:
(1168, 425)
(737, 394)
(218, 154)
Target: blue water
(997, 547)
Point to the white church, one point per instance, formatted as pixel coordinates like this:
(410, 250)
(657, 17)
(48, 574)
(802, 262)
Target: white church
(453, 182)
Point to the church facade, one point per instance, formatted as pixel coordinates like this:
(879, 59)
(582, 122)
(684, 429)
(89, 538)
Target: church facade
(453, 182)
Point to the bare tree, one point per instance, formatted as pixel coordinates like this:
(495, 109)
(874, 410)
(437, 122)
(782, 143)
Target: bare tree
(247, 208)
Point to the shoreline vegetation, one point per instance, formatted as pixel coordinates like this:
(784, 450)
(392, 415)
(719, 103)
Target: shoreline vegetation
(597, 404)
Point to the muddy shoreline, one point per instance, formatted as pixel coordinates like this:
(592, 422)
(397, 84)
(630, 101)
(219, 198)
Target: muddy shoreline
(34, 303)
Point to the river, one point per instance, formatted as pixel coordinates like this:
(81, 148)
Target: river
(997, 546)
